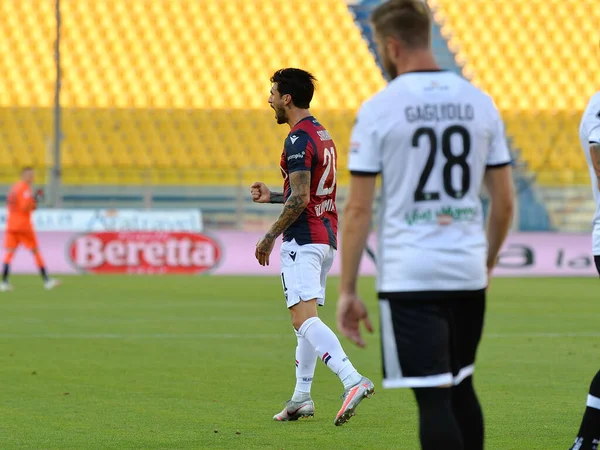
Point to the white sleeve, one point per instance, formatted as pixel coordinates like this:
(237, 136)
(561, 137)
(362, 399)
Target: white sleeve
(365, 150)
(499, 154)
(594, 134)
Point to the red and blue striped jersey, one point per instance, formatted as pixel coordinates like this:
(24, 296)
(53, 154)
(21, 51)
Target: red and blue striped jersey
(309, 146)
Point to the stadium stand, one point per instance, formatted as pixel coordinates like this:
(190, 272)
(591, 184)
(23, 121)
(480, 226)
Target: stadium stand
(532, 214)
(536, 58)
(175, 93)
(172, 92)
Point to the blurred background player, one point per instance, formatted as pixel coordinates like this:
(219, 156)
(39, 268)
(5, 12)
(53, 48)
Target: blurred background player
(588, 437)
(309, 226)
(21, 202)
(434, 138)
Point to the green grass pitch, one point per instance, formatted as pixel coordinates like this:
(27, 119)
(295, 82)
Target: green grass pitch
(169, 362)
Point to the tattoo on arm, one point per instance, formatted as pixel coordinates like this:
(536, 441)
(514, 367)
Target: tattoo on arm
(595, 155)
(276, 197)
(295, 204)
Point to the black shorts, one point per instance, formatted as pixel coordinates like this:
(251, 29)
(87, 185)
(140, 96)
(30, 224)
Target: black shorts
(430, 338)
(597, 261)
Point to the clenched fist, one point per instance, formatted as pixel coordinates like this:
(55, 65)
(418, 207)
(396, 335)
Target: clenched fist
(260, 193)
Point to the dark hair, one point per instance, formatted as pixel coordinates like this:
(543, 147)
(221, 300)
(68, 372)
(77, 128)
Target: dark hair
(26, 169)
(407, 20)
(298, 83)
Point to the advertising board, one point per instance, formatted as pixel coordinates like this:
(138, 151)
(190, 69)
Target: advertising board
(145, 252)
(113, 220)
(232, 253)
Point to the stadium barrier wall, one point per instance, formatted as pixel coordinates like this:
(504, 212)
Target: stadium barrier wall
(232, 253)
(113, 219)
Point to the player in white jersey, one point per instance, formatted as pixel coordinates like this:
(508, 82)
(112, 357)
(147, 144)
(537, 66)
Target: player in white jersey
(435, 139)
(588, 437)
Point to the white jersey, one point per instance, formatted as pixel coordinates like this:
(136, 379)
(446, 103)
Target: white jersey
(589, 132)
(431, 135)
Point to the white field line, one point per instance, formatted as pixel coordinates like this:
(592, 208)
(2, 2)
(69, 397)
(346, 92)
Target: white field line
(224, 336)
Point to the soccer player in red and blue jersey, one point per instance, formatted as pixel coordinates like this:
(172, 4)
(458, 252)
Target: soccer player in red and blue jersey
(308, 223)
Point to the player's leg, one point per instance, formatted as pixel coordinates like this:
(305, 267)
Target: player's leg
(588, 437)
(10, 245)
(365, 387)
(416, 354)
(467, 318)
(301, 404)
(31, 243)
(330, 351)
(310, 265)
(306, 363)
(302, 275)
(437, 425)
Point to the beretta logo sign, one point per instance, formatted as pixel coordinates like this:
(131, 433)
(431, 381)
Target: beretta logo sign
(148, 252)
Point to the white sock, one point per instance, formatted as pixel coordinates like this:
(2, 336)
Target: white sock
(306, 362)
(329, 349)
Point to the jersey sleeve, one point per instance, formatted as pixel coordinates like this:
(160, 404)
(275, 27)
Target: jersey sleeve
(499, 154)
(365, 151)
(299, 150)
(594, 136)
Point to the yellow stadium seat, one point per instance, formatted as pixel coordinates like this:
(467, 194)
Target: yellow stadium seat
(180, 86)
(533, 57)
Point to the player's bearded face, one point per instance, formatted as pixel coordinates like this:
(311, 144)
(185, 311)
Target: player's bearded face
(280, 114)
(277, 104)
(279, 107)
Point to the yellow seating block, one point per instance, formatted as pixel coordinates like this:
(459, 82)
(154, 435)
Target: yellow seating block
(538, 60)
(172, 92)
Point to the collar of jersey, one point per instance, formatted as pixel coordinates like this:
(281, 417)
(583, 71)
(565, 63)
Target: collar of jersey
(300, 121)
(423, 71)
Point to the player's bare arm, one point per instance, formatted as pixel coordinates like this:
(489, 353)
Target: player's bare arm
(262, 194)
(277, 197)
(595, 155)
(355, 231)
(498, 182)
(293, 207)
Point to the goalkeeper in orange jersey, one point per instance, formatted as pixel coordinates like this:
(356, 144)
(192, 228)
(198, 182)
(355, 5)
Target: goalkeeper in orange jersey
(21, 203)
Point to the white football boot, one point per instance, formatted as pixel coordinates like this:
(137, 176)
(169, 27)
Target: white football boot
(5, 287)
(352, 398)
(296, 410)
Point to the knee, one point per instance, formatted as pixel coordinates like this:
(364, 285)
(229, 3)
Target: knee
(465, 387)
(303, 311)
(433, 398)
(297, 321)
(464, 397)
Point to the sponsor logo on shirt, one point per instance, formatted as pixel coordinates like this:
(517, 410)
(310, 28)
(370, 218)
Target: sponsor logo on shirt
(435, 86)
(444, 215)
(296, 156)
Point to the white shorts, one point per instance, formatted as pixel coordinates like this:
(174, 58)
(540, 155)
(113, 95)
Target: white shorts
(304, 271)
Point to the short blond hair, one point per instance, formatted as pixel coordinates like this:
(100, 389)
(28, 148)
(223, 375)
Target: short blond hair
(407, 20)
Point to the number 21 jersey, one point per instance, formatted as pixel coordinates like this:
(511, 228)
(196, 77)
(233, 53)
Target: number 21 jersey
(309, 147)
(431, 135)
